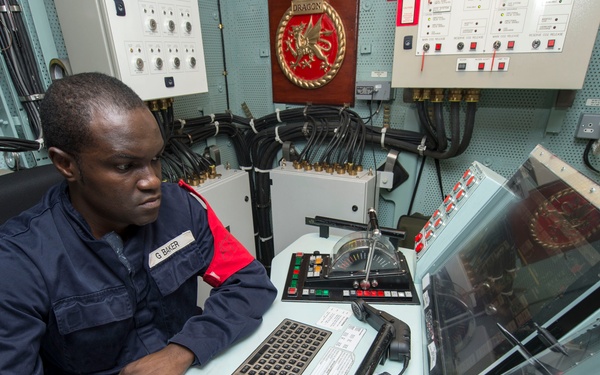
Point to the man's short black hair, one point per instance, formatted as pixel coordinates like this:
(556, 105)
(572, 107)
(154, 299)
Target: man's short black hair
(70, 103)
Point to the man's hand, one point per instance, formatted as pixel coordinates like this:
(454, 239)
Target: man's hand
(172, 360)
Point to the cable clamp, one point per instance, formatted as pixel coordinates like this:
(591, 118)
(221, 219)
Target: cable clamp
(277, 134)
(244, 168)
(190, 138)
(305, 109)
(265, 239)
(421, 148)
(342, 109)
(182, 122)
(383, 131)
(278, 117)
(261, 170)
(305, 129)
(10, 9)
(212, 117)
(41, 142)
(252, 126)
(216, 128)
(31, 98)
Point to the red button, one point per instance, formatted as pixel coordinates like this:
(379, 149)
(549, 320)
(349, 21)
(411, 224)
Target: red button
(501, 65)
(292, 291)
(470, 181)
(456, 187)
(473, 45)
(380, 293)
(438, 46)
(460, 195)
(359, 293)
(438, 223)
(428, 235)
(447, 200)
(296, 272)
(419, 247)
(466, 174)
(418, 237)
(481, 66)
(551, 43)
(511, 44)
(427, 226)
(450, 208)
(436, 214)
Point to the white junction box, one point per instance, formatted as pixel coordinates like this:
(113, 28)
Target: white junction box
(516, 44)
(229, 196)
(155, 47)
(297, 194)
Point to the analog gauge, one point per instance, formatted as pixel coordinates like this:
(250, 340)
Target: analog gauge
(356, 261)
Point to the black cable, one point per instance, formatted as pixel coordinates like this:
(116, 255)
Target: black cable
(586, 155)
(414, 194)
(223, 53)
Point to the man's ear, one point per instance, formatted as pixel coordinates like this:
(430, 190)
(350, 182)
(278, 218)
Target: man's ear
(65, 163)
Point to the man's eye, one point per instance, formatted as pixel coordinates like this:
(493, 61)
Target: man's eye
(123, 167)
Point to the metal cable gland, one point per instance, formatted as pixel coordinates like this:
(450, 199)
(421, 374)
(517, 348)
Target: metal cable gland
(472, 95)
(455, 95)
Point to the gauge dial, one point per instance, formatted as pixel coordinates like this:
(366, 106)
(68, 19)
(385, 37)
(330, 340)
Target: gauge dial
(356, 261)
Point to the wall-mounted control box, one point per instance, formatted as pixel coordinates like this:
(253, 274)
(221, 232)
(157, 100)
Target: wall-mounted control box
(155, 47)
(517, 44)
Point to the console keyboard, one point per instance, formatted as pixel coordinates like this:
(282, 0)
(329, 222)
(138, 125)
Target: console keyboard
(288, 350)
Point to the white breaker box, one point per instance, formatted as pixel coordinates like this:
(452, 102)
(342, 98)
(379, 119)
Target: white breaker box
(297, 194)
(229, 196)
(515, 44)
(155, 47)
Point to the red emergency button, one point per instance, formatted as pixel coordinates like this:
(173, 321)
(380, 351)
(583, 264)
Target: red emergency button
(471, 181)
(511, 44)
(473, 45)
(460, 195)
(419, 247)
(438, 46)
(481, 66)
(501, 65)
(551, 43)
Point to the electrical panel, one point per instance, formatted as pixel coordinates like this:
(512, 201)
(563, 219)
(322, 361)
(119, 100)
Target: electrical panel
(518, 44)
(229, 196)
(155, 47)
(297, 194)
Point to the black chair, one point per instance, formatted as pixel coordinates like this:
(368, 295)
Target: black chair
(22, 189)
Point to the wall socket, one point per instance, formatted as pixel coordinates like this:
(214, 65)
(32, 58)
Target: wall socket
(589, 126)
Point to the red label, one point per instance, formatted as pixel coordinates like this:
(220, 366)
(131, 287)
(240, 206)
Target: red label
(408, 13)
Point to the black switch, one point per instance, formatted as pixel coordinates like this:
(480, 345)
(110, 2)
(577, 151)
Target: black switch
(120, 6)
(169, 82)
(408, 41)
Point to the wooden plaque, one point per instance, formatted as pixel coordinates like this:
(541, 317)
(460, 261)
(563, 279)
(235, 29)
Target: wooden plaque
(313, 51)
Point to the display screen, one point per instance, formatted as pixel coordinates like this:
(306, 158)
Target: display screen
(531, 264)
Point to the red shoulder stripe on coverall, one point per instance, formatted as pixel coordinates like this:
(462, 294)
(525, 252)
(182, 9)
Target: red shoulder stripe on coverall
(230, 255)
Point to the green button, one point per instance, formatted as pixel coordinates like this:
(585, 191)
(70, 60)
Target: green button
(298, 260)
(325, 293)
(293, 283)
(295, 276)
(319, 292)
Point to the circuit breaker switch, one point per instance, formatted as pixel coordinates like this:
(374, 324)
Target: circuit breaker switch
(497, 45)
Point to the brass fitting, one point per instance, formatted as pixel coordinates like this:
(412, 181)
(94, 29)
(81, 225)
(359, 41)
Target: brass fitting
(417, 95)
(426, 94)
(472, 95)
(455, 95)
(438, 95)
(153, 105)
